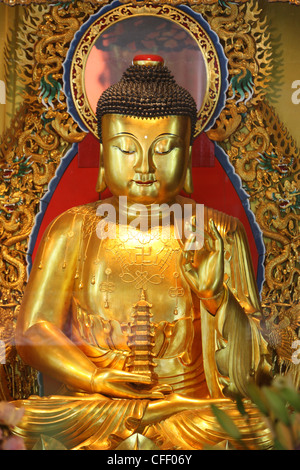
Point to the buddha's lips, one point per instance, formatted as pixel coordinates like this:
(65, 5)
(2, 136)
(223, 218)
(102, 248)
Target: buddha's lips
(144, 179)
(145, 183)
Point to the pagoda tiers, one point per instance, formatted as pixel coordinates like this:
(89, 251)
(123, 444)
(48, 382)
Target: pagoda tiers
(141, 340)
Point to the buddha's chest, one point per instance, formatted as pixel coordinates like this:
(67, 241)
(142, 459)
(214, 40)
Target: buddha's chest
(113, 273)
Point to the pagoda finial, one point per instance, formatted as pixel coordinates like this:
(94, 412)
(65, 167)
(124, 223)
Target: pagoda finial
(143, 294)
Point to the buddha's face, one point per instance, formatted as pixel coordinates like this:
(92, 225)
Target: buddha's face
(145, 159)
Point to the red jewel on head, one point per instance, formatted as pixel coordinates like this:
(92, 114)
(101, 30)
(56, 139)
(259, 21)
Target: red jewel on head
(148, 59)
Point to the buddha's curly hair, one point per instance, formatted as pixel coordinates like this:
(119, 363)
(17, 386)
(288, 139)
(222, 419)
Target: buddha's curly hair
(147, 91)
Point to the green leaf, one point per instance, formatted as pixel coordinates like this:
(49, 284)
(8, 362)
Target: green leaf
(292, 397)
(277, 405)
(226, 423)
(257, 398)
(240, 406)
(278, 445)
(284, 436)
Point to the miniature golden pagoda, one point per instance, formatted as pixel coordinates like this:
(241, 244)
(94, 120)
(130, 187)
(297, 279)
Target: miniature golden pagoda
(141, 340)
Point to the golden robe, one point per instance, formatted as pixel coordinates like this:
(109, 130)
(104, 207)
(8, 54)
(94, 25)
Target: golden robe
(199, 355)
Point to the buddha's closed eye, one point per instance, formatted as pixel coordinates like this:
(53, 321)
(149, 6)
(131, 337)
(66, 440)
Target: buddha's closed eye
(124, 150)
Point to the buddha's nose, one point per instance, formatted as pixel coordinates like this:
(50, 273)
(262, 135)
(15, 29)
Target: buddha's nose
(144, 162)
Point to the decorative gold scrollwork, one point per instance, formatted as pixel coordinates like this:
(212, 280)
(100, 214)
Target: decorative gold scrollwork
(31, 149)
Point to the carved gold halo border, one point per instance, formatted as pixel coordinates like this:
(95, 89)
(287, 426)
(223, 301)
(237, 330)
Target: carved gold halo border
(175, 2)
(103, 22)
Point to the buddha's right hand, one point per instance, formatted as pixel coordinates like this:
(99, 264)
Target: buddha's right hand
(122, 384)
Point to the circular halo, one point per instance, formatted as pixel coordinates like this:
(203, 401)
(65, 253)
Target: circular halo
(105, 45)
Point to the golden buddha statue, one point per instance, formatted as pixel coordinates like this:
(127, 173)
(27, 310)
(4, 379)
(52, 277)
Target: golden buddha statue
(144, 328)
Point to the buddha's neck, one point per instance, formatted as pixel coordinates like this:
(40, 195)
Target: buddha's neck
(127, 211)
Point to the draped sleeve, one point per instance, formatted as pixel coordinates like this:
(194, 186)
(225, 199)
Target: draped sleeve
(234, 349)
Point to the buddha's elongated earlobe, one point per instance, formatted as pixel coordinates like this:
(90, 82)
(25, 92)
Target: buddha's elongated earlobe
(188, 182)
(101, 184)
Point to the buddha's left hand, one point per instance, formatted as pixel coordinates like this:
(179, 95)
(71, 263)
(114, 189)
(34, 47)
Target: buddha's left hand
(204, 268)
